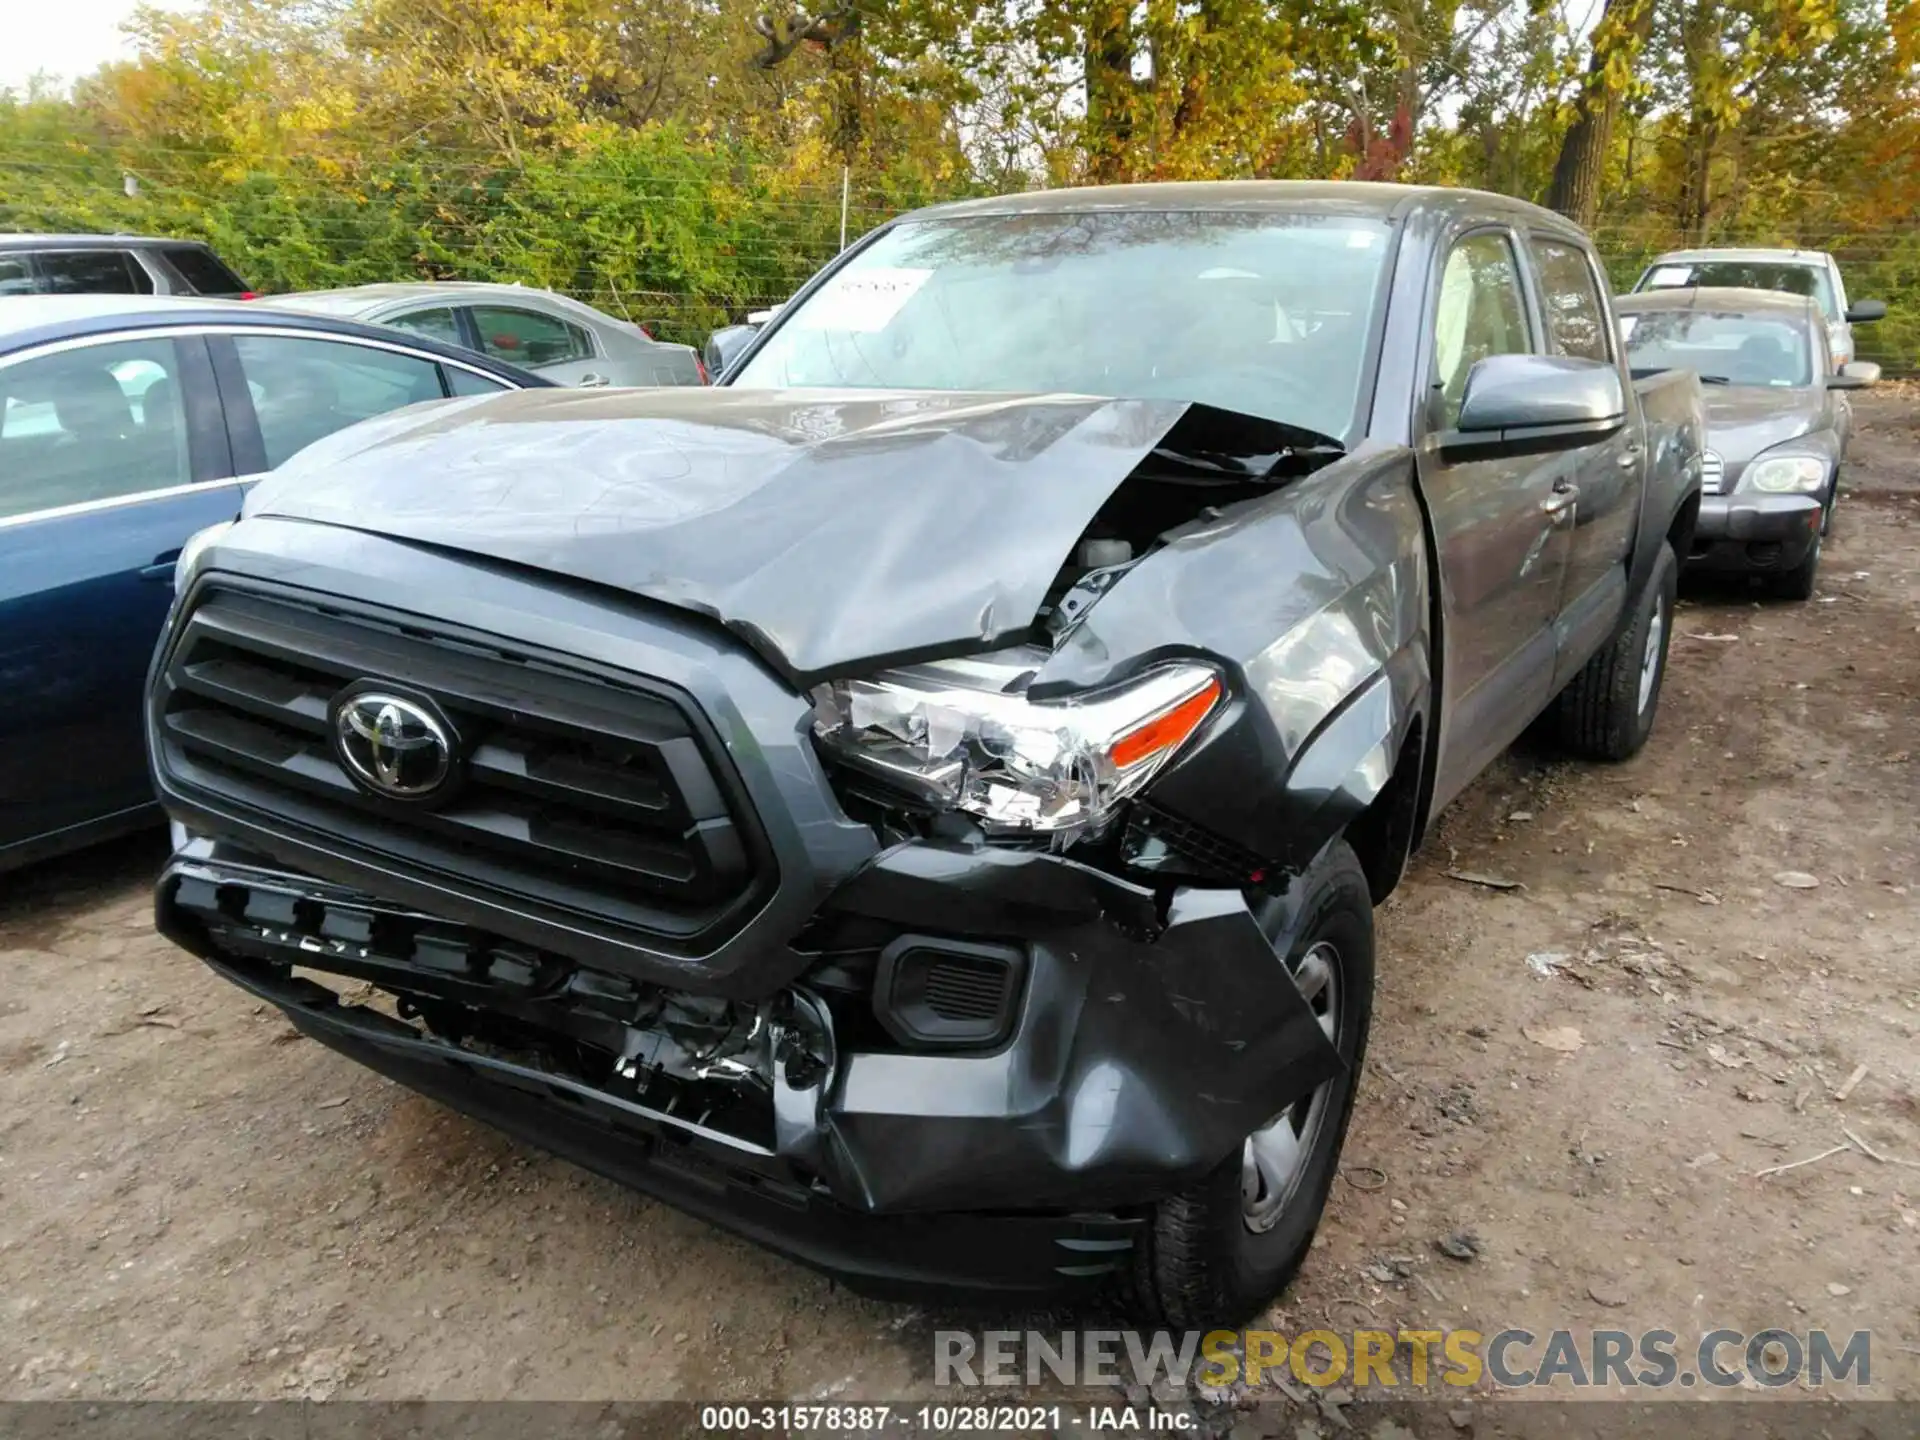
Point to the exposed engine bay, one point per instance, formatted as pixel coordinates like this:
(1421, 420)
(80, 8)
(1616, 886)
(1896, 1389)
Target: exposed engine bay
(1211, 462)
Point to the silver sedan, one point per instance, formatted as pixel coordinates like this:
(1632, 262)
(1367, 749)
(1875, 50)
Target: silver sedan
(568, 342)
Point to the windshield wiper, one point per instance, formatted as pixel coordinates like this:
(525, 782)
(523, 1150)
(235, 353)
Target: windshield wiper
(1715, 380)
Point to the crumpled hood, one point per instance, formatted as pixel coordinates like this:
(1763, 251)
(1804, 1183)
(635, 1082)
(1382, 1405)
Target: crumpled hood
(1743, 420)
(832, 530)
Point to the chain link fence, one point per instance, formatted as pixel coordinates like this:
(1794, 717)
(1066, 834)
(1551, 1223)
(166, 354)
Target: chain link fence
(681, 242)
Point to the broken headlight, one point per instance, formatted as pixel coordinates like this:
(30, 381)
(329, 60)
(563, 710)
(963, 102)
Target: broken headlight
(962, 735)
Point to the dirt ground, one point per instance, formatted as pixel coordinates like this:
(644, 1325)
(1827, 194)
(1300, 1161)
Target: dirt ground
(196, 1203)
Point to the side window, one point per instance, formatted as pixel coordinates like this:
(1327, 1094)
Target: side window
(1482, 312)
(1571, 301)
(16, 276)
(91, 423)
(92, 272)
(203, 271)
(468, 382)
(304, 390)
(436, 324)
(526, 337)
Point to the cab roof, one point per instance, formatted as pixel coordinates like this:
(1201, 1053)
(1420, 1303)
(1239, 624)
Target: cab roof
(1339, 197)
(14, 240)
(1735, 256)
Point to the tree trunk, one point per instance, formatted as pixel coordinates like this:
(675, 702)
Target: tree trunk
(1109, 67)
(1575, 192)
(847, 102)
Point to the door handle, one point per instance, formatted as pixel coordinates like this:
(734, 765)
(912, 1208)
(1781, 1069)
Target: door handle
(161, 568)
(592, 379)
(1629, 457)
(1563, 496)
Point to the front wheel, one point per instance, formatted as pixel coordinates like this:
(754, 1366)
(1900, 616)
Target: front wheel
(1216, 1253)
(1797, 583)
(1606, 712)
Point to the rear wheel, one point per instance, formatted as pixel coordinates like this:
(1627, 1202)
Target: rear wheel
(1606, 712)
(1220, 1250)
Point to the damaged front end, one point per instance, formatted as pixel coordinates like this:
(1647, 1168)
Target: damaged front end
(1004, 1060)
(900, 969)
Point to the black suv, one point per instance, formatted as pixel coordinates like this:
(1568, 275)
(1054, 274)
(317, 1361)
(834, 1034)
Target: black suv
(113, 265)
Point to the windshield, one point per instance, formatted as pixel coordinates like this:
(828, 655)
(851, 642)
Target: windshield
(1268, 314)
(1733, 349)
(1788, 278)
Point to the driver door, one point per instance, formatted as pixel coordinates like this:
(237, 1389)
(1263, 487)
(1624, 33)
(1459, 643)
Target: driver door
(1497, 520)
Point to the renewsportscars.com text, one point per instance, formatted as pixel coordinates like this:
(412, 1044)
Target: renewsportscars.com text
(1510, 1359)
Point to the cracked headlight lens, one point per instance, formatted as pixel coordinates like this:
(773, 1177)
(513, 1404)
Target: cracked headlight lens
(1785, 474)
(962, 735)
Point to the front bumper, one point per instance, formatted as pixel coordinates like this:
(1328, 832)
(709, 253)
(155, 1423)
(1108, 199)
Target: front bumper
(1144, 1046)
(1750, 531)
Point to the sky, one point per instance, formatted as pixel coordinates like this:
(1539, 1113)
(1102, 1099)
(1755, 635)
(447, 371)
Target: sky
(66, 38)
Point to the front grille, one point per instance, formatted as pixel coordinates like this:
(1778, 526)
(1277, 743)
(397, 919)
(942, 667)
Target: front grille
(582, 796)
(1713, 473)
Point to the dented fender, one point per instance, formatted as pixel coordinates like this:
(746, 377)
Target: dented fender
(1316, 599)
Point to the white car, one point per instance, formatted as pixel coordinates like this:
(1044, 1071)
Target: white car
(1798, 272)
(553, 335)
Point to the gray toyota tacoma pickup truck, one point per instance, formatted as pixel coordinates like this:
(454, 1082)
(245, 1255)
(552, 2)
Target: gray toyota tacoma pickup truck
(921, 803)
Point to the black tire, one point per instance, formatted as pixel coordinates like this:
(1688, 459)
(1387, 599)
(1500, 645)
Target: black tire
(1797, 583)
(1601, 714)
(1201, 1266)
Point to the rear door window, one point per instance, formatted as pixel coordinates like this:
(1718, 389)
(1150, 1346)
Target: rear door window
(203, 270)
(16, 275)
(1571, 299)
(91, 423)
(91, 272)
(529, 338)
(305, 389)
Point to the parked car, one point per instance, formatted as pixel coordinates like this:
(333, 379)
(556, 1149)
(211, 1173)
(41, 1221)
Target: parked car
(114, 265)
(552, 335)
(729, 343)
(907, 807)
(124, 423)
(1777, 424)
(1812, 273)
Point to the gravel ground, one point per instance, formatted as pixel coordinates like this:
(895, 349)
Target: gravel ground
(195, 1203)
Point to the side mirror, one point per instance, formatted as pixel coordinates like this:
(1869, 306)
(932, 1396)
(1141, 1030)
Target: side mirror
(1539, 402)
(1855, 375)
(726, 346)
(1865, 312)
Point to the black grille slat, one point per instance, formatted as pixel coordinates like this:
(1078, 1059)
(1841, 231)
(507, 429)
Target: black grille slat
(271, 694)
(576, 779)
(238, 743)
(579, 794)
(460, 677)
(957, 990)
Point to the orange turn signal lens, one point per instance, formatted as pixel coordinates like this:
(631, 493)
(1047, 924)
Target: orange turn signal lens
(1166, 731)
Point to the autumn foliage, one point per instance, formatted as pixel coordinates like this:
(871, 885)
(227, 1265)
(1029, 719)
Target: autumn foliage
(682, 160)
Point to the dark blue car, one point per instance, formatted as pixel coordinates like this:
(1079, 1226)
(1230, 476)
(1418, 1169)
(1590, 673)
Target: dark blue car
(127, 424)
